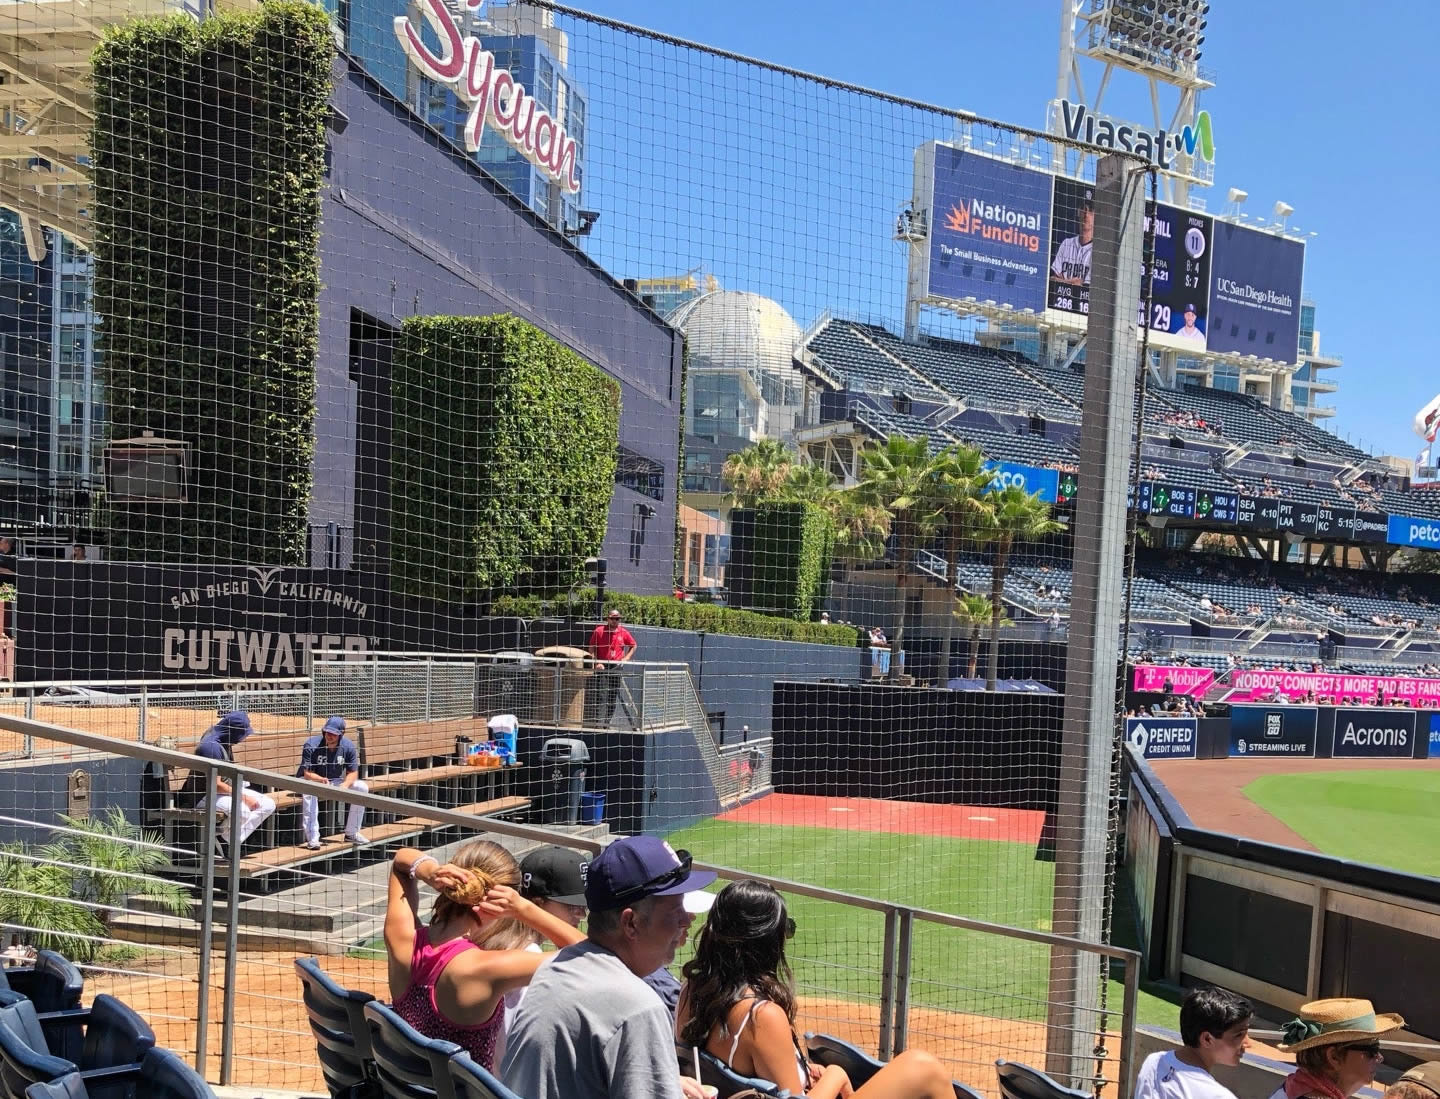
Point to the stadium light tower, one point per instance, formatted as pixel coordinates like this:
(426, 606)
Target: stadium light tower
(1161, 41)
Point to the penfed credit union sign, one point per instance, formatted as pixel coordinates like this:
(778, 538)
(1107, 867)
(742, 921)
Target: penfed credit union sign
(495, 98)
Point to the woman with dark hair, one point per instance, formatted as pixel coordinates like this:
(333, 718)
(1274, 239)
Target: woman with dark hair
(1336, 1044)
(738, 1003)
(448, 978)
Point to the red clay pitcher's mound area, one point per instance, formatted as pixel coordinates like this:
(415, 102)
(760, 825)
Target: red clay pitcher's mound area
(914, 818)
(1211, 791)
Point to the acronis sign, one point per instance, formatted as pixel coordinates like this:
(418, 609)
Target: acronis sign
(1160, 147)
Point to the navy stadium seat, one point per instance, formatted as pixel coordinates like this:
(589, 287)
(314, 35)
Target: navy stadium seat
(113, 1040)
(471, 1081)
(342, 1039)
(1024, 1082)
(409, 1065)
(69, 1086)
(164, 1075)
(53, 983)
(726, 1080)
(825, 1049)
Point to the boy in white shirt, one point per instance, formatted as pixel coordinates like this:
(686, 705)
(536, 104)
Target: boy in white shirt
(1215, 1026)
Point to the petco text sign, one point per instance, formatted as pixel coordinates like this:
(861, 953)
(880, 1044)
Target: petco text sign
(1161, 737)
(1375, 733)
(494, 97)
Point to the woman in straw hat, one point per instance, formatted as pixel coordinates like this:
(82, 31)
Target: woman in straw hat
(1336, 1044)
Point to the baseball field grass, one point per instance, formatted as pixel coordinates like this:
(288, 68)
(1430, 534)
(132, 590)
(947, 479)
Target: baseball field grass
(837, 949)
(1385, 818)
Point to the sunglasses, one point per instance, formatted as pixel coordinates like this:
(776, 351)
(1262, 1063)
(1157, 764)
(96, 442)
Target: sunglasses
(1370, 1049)
(674, 876)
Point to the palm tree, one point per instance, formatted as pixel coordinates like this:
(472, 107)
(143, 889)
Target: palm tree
(1013, 515)
(757, 472)
(976, 611)
(808, 483)
(109, 861)
(861, 525)
(964, 485)
(901, 477)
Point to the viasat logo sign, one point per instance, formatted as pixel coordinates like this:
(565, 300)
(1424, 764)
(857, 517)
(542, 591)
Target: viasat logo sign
(494, 97)
(994, 221)
(1158, 147)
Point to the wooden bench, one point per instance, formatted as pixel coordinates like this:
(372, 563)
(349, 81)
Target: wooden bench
(420, 758)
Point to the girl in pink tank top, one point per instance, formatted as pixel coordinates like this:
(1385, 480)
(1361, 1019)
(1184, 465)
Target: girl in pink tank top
(448, 979)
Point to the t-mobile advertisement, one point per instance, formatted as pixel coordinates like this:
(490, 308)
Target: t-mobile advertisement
(990, 226)
(1273, 730)
(1255, 293)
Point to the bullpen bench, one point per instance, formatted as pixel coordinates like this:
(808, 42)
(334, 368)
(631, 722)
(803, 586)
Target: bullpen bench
(417, 762)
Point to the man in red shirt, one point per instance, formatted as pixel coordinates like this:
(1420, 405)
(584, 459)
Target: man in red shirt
(610, 644)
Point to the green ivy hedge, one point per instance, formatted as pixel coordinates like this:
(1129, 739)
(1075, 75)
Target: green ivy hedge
(780, 556)
(668, 612)
(209, 158)
(505, 443)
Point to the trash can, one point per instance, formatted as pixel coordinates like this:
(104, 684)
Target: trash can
(506, 681)
(560, 681)
(565, 760)
(592, 808)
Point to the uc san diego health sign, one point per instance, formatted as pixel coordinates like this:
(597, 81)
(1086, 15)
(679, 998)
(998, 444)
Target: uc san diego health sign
(494, 97)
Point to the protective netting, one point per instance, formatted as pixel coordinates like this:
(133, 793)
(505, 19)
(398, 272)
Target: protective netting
(397, 369)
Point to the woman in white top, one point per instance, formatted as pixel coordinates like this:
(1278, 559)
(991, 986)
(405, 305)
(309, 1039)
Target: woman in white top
(1336, 1044)
(738, 1003)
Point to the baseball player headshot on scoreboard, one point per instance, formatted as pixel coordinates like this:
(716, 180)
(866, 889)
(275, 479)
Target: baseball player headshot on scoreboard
(1188, 331)
(1072, 258)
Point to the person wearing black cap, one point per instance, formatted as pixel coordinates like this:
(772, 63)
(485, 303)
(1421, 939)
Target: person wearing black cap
(1189, 332)
(1072, 258)
(330, 757)
(590, 1028)
(218, 744)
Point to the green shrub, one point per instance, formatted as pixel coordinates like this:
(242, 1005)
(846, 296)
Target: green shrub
(209, 158)
(670, 613)
(780, 556)
(505, 443)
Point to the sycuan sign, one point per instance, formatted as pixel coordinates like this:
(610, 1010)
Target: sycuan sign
(495, 98)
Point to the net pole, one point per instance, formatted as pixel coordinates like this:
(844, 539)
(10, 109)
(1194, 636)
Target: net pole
(1097, 604)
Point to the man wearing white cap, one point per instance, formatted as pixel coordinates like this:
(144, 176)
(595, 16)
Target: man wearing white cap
(331, 757)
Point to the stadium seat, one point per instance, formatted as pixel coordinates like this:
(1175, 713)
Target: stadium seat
(1024, 1082)
(163, 1075)
(53, 983)
(726, 1080)
(409, 1065)
(69, 1086)
(342, 1040)
(858, 1065)
(114, 1039)
(473, 1082)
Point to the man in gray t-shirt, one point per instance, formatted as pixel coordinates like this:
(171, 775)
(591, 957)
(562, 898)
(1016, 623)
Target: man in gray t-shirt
(590, 1028)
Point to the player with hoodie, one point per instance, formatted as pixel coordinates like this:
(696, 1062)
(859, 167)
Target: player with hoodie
(218, 744)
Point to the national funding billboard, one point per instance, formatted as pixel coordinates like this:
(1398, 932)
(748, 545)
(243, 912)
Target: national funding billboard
(989, 229)
(1178, 312)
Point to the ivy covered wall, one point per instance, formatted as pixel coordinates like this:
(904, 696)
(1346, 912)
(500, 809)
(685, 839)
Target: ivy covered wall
(780, 556)
(209, 159)
(504, 444)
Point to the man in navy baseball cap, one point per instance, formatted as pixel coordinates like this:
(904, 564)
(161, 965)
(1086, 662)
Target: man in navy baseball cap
(591, 1028)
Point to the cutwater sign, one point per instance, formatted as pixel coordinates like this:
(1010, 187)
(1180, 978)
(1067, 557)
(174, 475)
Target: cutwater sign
(1162, 737)
(1374, 733)
(1273, 730)
(1032, 479)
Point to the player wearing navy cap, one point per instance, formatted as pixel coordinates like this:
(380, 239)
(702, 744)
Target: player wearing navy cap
(1189, 331)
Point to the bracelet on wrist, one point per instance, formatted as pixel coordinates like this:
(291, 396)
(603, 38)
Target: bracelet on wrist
(415, 866)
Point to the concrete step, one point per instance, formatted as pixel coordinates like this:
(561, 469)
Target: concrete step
(182, 931)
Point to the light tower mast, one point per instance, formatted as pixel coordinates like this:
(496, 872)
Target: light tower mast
(1161, 41)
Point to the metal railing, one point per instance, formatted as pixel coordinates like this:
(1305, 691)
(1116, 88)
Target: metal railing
(199, 977)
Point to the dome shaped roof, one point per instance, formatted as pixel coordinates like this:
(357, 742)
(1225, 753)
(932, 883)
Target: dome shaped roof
(733, 329)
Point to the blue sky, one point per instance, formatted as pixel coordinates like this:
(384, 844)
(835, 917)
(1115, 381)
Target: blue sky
(1324, 106)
